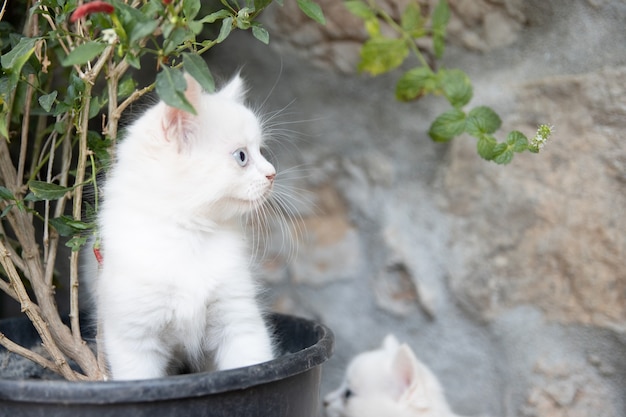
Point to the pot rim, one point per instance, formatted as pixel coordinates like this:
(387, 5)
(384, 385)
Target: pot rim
(177, 386)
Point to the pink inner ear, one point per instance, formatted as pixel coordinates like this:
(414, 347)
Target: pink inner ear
(178, 124)
(403, 367)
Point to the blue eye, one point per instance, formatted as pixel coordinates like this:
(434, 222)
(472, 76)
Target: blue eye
(241, 156)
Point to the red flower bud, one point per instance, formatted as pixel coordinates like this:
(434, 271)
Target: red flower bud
(167, 1)
(98, 255)
(91, 7)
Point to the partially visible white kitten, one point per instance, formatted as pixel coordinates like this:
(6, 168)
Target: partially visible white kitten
(175, 288)
(388, 382)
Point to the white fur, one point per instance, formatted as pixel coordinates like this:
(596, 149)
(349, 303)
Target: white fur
(388, 382)
(175, 287)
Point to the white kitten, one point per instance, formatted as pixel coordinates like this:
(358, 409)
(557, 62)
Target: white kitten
(388, 382)
(175, 288)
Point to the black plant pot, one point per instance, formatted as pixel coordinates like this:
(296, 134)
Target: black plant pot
(287, 386)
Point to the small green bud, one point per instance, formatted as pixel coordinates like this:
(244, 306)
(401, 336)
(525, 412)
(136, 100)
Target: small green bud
(243, 19)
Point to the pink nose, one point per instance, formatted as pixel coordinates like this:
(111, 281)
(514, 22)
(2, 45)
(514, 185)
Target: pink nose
(271, 177)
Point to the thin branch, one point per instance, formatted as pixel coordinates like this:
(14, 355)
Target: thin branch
(83, 152)
(4, 6)
(70, 43)
(32, 311)
(25, 233)
(46, 216)
(50, 261)
(25, 130)
(7, 289)
(17, 260)
(27, 353)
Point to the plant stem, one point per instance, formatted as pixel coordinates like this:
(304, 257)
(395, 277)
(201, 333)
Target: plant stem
(27, 353)
(25, 129)
(32, 311)
(83, 152)
(403, 33)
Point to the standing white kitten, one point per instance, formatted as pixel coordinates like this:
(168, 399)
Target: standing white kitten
(175, 288)
(388, 382)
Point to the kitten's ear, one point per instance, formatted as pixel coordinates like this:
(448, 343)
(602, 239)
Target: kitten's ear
(235, 89)
(178, 124)
(411, 377)
(390, 343)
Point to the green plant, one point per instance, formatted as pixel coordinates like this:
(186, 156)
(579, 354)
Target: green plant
(66, 80)
(382, 53)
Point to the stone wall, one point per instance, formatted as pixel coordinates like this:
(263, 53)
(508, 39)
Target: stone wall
(509, 282)
(479, 25)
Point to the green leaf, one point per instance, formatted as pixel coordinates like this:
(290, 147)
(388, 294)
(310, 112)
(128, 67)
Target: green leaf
(191, 8)
(67, 226)
(360, 9)
(456, 86)
(6, 210)
(83, 53)
(126, 87)
(482, 120)
(15, 59)
(213, 17)
(447, 125)
(412, 20)
(439, 45)
(99, 146)
(31, 197)
(440, 18)
(61, 226)
(485, 147)
(261, 34)
(227, 26)
(176, 38)
(415, 83)
(313, 10)
(4, 131)
(133, 60)
(380, 55)
(198, 69)
(47, 191)
(46, 101)
(372, 27)
(517, 141)
(6, 194)
(96, 104)
(76, 243)
(143, 29)
(502, 154)
(170, 86)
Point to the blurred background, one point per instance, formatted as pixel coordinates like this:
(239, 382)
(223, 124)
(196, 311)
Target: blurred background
(509, 282)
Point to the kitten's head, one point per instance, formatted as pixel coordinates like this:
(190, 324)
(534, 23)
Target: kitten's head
(389, 381)
(209, 164)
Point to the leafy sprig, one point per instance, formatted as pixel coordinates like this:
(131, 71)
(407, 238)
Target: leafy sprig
(382, 53)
